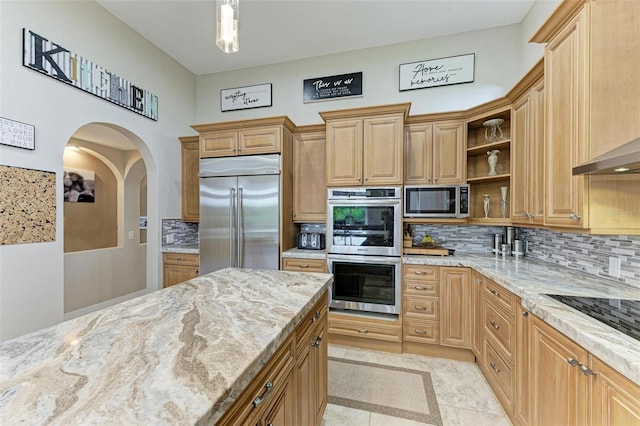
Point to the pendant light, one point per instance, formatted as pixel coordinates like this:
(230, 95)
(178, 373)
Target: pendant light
(227, 25)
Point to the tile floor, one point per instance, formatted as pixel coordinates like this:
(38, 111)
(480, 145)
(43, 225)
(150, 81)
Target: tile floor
(463, 394)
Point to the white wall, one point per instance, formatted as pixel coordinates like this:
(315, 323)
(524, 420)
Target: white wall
(31, 275)
(538, 14)
(497, 70)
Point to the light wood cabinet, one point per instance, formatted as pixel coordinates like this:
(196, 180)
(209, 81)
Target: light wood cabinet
(522, 400)
(434, 152)
(190, 182)
(558, 389)
(179, 267)
(477, 302)
(365, 332)
(614, 399)
(248, 137)
(527, 149)
(455, 299)
(478, 171)
(364, 146)
(309, 191)
(589, 112)
(304, 265)
(420, 301)
(291, 389)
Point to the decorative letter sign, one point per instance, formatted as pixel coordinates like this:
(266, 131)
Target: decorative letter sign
(15, 133)
(53, 60)
(437, 72)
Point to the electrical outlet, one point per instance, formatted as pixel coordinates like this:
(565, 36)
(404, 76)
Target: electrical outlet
(614, 267)
(131, 235)
(170, 238)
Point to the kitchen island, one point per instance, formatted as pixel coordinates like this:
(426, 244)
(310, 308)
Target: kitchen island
(180, 355)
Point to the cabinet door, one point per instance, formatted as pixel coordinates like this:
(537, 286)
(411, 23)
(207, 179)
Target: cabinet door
(282, 411)
(520, 173)
(306, 386)
(321, 370)
(344, 152)
(309, 191)
(558, 388)
(536, 155)
(449, 153)
(521, 397)
(566, 104)
(174, 274)
(418, 154)
(383, 150)
(190, 183)
(218, 144)
(614, 399)
(455, 299)
(262, 140)
(477, 290)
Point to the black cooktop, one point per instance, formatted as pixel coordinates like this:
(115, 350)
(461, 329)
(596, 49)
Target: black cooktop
(621, 314)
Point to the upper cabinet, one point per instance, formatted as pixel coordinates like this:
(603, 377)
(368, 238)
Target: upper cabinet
(591, 106)
(190, 183)
(527, 149)
(364, 146)
(489, 162)
(434, 151)
(248, 137)
(309, 192)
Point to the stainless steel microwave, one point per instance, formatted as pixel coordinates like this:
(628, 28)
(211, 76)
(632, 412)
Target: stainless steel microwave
(438, 201)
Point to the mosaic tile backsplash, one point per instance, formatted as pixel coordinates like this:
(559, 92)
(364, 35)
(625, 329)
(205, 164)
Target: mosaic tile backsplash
(177, 232)
(475, 239)
(587, 253)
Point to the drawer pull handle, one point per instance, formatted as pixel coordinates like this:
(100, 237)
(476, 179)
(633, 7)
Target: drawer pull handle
(262, 398)
(418, 331)
(478, 280)
(316, 316)
(494, 324)
(525, 314)
(421, 273)
(421, 308)
(495, 293)
(494, 367)
(317, 341)
(181, 259)
(587, 371)
(419, 287)
(572, 362)
(363, 330)
(304, 265)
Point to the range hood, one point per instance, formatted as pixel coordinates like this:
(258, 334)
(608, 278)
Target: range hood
(623, 159)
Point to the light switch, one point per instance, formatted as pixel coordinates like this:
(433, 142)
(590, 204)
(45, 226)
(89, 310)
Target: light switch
(131, 235)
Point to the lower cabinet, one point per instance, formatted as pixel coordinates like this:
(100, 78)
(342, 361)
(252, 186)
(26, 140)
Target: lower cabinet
(455, 299)
(304, 265)
(291, 389)
(179, 267)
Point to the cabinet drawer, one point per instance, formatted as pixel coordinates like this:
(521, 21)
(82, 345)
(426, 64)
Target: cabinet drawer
(392, 333)
(500, 376)
(303, 265)
(420, 272)
(185, 259)
(500, 327)
(424, 308)
(307, 330)
(501, 296)
(425, 288)
(421, 331)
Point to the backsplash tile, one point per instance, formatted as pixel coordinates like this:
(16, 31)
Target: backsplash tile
(177, 232)
(474, 239)
(587, 253)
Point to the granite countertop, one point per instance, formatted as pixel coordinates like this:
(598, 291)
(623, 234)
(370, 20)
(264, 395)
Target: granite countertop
(181, 248)
(180, 355)
(531, 279)
(305, 254)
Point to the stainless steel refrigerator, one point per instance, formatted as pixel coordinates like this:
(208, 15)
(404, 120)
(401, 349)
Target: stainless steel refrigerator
(239, 212)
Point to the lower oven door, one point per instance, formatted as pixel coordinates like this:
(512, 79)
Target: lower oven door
(365, 283)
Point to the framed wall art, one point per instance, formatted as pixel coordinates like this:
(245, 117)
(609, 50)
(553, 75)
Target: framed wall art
(437, 72)
(247, 97)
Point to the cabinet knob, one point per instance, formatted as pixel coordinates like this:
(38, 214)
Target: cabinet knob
(495, 293)
(358, 179)
(587, 371)
(574, 216)
(494, 324)
(294, 215)
(435, 179)
(366, 178)
(525, 314)
(572, 362)
(494, 367)
(181, 259)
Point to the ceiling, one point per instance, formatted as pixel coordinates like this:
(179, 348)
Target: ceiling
(274, 31)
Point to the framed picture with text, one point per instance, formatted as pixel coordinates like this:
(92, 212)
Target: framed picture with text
(247, 97)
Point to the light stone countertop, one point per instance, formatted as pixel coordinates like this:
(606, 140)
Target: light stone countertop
(305, 254)
(181, 248)
(531, 279)
(180, 355)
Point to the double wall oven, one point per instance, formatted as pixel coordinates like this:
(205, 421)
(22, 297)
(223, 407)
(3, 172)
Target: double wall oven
(364, 245)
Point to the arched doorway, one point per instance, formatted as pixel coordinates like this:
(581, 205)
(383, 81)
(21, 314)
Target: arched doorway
(105, 242)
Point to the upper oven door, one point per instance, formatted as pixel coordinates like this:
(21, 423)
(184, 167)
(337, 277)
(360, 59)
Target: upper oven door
(371, 227)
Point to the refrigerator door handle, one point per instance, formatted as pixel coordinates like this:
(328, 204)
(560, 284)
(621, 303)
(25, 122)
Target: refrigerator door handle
(240, 221)
(232, 199)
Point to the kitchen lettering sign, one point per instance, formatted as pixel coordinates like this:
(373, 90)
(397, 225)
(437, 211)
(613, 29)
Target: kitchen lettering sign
(334, 86)
(49, 58)
(437, 72)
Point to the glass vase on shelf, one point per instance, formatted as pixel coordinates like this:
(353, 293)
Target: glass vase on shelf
(505, 202)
